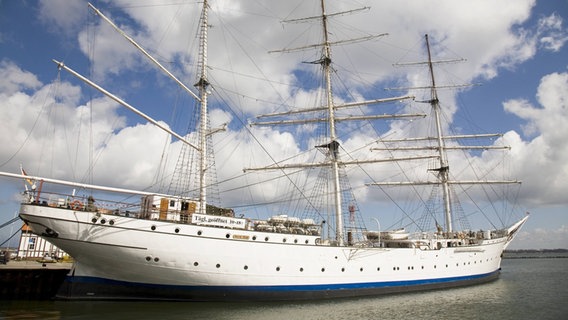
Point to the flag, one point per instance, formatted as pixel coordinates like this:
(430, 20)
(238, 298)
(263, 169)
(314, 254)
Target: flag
(30, 181)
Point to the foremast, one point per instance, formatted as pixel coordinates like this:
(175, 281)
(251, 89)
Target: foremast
(202, 85)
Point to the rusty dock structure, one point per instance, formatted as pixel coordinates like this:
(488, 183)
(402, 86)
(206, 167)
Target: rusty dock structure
(31, 280)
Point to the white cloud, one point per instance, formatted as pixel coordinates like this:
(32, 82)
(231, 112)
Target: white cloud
(108, 51)
(238, 47)
(46, 129)
(542, 238)
(551, 32)
(131, 157)
(62, 16)
(541, 162)
(14, 79)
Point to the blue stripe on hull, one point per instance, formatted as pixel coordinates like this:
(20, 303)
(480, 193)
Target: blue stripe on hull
(85, 288)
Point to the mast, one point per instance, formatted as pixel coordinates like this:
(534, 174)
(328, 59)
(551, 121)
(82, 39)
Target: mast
(443, 170)
(333, 161)
(333, 145)
(438, 143)
(202, 85)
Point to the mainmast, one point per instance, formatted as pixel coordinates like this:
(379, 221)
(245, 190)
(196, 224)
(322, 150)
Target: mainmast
(333, 161)
(443, 170)
(333, 145)
(202, 85)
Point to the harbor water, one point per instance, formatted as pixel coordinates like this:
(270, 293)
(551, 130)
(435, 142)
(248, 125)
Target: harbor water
(526, 289)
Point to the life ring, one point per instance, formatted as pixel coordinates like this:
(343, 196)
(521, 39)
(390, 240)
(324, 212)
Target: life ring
(77, 205)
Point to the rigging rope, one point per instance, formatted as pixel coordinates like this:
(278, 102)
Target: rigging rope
(9, 222)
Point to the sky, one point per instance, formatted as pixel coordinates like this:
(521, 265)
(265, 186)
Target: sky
(515, 55)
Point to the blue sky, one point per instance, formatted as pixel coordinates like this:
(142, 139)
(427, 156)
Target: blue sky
(516, 52)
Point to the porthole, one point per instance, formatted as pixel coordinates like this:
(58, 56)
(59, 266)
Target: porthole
(284, 240)
(322, 269)
(217, 266)
(422, 267)
(379, 269)
(307, 241)
(246, 267)
(295, 240)
(94, 220)
(227, 235)
(394, 268)
(361, 269)
(103, 221)
(342, 269)
(156, 259)
(153, 228)
(434, 266)
(253, 237)
(195, 264)
(199, 233)
(446, 266)
(277, 268)
(148, 258)
(111, 222)
(301, 269)
(266, 239)
(176, 230)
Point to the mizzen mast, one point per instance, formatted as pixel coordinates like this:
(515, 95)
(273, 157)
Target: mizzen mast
(443, 170)
(439, 144)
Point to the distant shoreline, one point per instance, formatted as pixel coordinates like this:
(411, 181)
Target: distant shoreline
(536, 254)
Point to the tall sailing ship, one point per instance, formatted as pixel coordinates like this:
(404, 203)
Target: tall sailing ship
(179, 247)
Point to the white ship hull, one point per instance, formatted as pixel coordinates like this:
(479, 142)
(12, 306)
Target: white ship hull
(121, 257)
